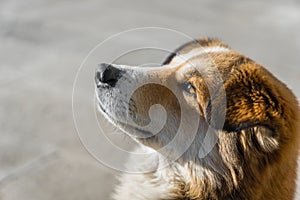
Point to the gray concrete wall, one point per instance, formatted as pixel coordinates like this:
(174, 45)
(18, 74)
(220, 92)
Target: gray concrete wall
(43, 42)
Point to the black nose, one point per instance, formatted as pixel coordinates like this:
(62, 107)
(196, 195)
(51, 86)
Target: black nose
(107, 75)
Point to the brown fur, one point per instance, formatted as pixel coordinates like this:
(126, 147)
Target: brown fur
(260, 138)
(256, 154)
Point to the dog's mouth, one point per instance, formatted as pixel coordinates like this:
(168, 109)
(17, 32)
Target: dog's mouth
(113, 102)
(133, 101)
(124, 126)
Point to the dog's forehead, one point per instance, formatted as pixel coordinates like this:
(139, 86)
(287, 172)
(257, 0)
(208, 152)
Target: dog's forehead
(183, 58)
(198, 61)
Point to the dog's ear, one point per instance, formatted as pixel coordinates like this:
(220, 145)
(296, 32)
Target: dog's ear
(259, 138)
(266, 138)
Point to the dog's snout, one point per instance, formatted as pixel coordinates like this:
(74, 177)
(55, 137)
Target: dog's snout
(107, 74)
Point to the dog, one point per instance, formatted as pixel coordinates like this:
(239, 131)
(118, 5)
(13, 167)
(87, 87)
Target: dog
(227, 128)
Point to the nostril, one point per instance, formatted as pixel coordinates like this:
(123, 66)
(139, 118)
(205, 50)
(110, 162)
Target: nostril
(107, 74)
(98, 78)
(101, 69)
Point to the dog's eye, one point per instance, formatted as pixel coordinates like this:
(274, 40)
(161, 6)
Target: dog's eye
(189, 88)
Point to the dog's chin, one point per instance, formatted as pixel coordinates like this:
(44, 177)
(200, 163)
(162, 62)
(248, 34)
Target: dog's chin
(131, 130)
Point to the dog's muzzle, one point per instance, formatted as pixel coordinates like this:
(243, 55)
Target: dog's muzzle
(107, 75)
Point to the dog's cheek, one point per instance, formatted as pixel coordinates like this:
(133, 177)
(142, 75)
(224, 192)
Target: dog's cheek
(151, 94)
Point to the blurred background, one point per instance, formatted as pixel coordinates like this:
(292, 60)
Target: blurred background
(42, 44)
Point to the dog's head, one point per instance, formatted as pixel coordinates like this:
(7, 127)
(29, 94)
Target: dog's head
(203, 90)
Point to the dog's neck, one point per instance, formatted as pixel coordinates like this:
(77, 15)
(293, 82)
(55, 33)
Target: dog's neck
(193, 181)
(165, 180)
